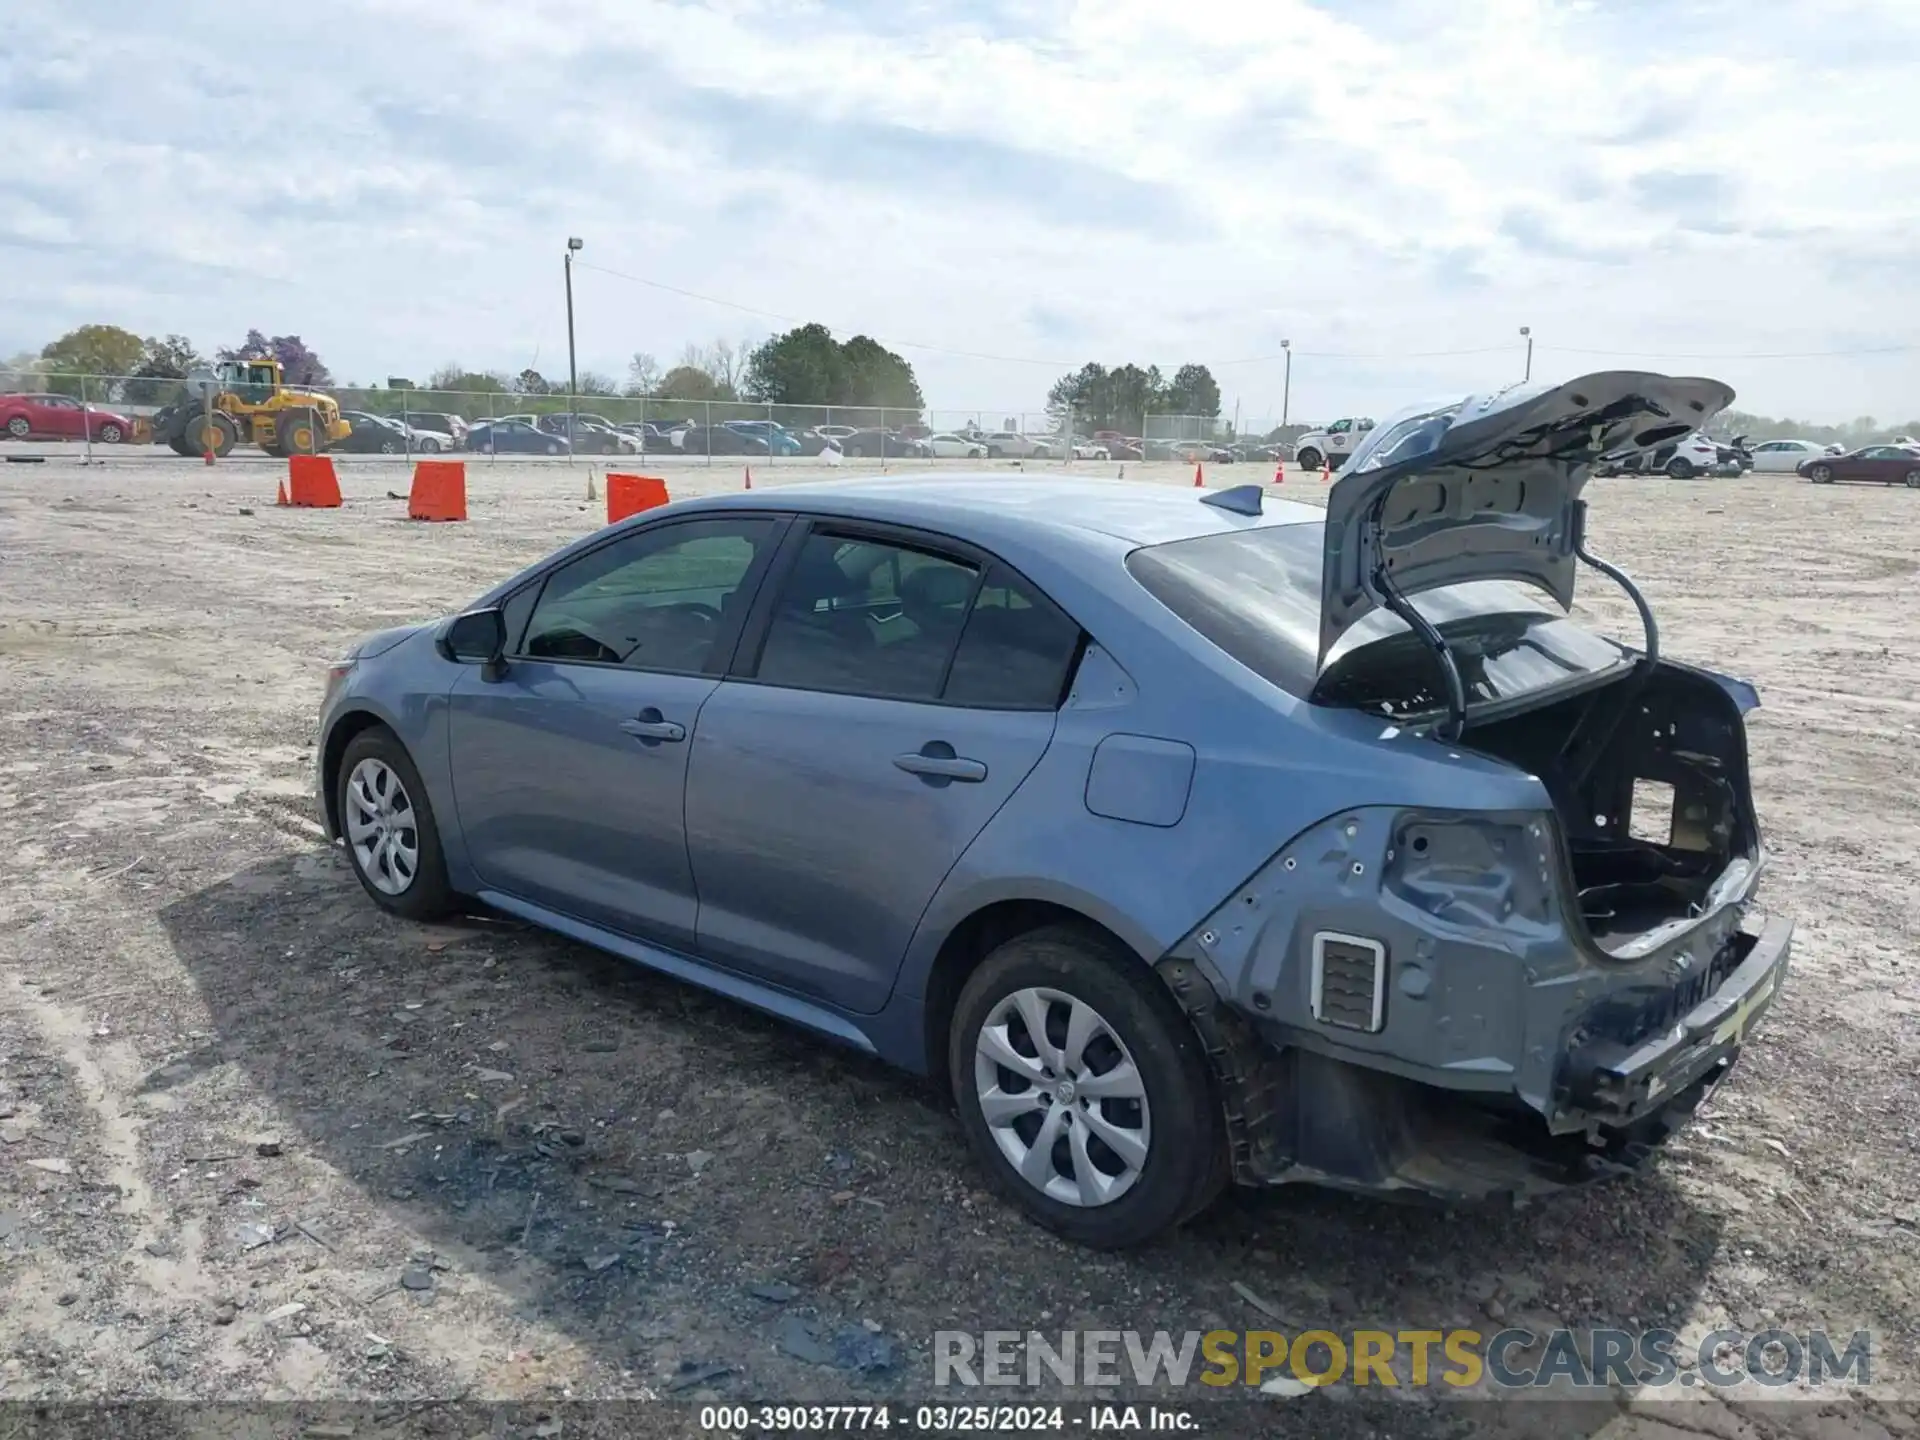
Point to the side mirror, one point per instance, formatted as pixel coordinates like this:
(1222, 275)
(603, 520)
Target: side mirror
(477, 637)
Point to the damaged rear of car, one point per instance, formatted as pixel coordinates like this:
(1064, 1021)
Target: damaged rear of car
(1531, 972)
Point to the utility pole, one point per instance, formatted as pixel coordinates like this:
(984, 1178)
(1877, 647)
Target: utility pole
(574, 244)
(1526, 333)
(1286, 386)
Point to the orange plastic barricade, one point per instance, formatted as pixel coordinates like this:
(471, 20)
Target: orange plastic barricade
(630, 494)
(439, 490)
(311, 481)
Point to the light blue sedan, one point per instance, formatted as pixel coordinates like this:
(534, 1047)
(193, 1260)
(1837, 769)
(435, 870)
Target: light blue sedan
(1185, 837)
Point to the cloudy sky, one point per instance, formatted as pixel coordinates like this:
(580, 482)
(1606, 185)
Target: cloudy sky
(999, 189)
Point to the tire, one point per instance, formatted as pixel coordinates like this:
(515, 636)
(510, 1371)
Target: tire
(298, 432)
(1821, 474)
(1133, 1016)
(1680, 468)
(389, 447)
(1913, 479)
(854, 452)
(552, 449)
(218, 434)
(422, 894)
(429, 447)
(19, 427)
(110, 434)
(1309, 459)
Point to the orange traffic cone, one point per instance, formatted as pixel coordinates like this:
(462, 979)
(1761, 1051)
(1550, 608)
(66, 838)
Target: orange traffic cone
(1279, 472)
(1198, 482)
(749, 470)
(208, 457)
(439, 490)
(630, 494)
(1326, 470)
(281, 498)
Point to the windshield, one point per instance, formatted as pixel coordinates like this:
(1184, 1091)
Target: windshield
(1256, 595)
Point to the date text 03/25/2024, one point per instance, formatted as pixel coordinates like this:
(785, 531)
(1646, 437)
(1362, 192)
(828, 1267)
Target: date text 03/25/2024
(946, 1419)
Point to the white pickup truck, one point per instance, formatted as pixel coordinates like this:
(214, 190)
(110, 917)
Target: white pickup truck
(1333, 444)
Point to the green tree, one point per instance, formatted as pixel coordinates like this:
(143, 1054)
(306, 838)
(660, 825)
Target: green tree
(805, 366)
(104, 350)
(164, 362)
(1193, 392)
(690, 382)
(878, 378)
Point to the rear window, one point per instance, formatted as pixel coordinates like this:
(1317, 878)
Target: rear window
(1256, 595)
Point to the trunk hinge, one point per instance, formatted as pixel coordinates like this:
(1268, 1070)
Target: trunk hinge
(1389, 595)
(1619, 577)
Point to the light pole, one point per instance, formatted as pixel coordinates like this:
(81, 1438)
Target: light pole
(574, 244)
(1286, 386)
(1526, 334)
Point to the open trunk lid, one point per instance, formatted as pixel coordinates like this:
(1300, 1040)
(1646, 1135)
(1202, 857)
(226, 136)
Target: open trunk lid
(1488, 488)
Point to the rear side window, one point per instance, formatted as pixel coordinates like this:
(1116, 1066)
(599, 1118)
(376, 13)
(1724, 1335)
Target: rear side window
(869, 617)
(1017, 650)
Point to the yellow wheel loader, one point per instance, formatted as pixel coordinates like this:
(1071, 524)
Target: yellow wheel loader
(247, 402)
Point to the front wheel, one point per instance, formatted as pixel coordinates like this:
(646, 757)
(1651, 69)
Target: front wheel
(1821, 475)
(553, 449)
(1083, 1090)
(110, 434)
(1309, 459)
(389, 828)
(1913, 479)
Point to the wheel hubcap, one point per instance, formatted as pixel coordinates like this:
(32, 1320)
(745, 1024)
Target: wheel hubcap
(1062, 1097)
(382, 828)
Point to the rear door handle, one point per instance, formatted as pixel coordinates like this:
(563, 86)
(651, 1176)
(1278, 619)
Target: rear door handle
(650, 724)
(936, 763)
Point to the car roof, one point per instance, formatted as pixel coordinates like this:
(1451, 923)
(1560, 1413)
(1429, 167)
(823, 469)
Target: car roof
(983, 507)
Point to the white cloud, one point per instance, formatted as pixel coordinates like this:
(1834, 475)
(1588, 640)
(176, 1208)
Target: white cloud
(1124, 180)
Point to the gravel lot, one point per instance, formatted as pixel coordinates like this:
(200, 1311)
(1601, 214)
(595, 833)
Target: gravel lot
(260, 1141)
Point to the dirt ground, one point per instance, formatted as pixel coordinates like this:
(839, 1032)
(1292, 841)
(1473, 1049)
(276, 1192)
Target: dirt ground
(257, 1140)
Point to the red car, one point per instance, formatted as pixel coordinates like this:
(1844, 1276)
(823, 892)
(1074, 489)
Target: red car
(1889, 464)
(59, 417)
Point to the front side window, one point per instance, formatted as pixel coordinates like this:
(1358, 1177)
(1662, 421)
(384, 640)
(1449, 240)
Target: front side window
(658, 600)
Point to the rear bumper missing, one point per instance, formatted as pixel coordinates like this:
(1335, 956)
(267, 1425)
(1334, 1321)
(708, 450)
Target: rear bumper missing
(1302, 1116)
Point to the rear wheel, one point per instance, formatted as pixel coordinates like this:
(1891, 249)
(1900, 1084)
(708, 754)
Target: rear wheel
(19, 427)
(1680, 468)
(298, 432)
(1821, 474)
(1084, 1090)
(389, 828)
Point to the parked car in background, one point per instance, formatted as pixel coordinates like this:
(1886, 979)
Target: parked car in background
(652, 438)
(383, 435)
(834, 432)
(868, 443)
(1736, 458)
(779, 440)
(720, 440)
(1887, 464)
(1683, 459)
(1332, 445)
(515, 437)
(1783, 457)
(812, 442)
(1012, 445)
(439, 422)
(1142, 816)
(950, 447)
(1091, 450)
(1123, 449)
(60, 417)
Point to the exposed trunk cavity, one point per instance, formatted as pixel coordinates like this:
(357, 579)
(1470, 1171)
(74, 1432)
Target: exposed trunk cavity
(1649, 778)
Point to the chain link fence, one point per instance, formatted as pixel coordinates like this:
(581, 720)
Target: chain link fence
(41, 406)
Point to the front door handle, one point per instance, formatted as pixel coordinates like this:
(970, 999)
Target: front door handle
(936, 763)
(651, 725)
